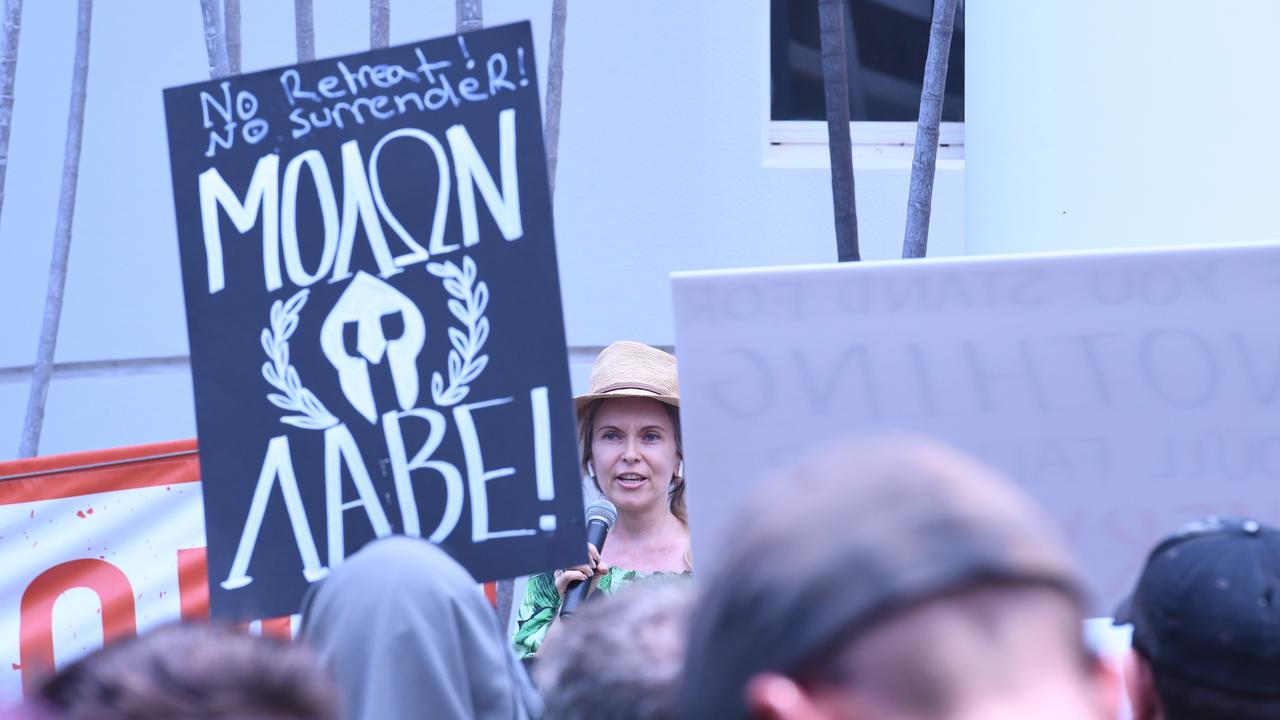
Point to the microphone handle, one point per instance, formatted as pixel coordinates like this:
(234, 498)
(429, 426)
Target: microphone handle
(576, 593)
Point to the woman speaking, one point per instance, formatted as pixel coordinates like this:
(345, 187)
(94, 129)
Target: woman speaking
(629, 427)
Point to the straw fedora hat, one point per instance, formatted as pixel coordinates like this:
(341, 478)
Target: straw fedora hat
(631, 369)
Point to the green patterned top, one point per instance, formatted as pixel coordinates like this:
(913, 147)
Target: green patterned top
(542, 602)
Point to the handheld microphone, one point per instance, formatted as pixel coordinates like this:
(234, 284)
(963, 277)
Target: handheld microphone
(601, 515)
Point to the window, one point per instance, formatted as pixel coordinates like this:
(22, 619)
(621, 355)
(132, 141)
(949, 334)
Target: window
(887, 42)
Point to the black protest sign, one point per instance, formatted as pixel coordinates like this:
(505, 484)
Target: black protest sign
(373, 307)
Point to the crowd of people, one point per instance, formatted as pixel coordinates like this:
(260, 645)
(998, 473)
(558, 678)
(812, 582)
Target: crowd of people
(907, 580)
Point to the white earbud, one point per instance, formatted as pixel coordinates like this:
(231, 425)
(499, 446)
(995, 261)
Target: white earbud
(591, 469)
(680, 470)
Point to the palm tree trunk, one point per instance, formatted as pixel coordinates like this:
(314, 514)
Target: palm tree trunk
(835, 82)
(555, 85)
(231, 27)
(924, 163)
(470, 15)
(8, 70)
(215, 41)
(379, 23)
(61, 239)
(304, 23)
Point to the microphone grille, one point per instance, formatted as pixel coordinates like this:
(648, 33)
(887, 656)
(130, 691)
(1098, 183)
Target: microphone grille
(604, 511)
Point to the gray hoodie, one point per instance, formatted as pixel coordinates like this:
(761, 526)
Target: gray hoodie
(407, 633)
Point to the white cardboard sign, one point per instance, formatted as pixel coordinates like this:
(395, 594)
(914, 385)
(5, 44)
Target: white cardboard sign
(1128, 392)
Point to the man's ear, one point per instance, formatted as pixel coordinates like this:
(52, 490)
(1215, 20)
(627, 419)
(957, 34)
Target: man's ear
(771, 696)
(1108, 684)
(1140, 684)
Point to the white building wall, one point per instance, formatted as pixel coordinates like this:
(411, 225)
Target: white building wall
(662, 168)
(1096, 124)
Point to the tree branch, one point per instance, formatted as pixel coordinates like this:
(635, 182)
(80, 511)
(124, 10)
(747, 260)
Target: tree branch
(43, 370)
(555, 87)
(924, 162)
(214, 39)
(304, 23)
(379, 23)
(470, 15)
(8, 70)
(231, 30)
(835, 82)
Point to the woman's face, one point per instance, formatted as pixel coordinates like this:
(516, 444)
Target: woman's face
(634, 452)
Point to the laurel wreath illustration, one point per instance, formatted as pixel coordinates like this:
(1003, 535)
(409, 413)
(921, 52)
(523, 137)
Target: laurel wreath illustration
(284, 376)
(468, 300)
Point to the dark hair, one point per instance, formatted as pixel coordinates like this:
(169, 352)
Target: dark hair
(586, 428)
(193, 671)
(1185, 699)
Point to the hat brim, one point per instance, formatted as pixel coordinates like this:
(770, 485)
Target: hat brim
(1123, 614)
(581, 401)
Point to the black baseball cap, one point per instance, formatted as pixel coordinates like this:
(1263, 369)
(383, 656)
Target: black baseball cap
(1207, 606)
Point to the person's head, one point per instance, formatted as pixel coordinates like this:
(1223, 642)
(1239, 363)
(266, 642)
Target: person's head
(406, 631)
(1206, 625)
(629, 428)
(193, 671)
(892, 578)
(620, 657)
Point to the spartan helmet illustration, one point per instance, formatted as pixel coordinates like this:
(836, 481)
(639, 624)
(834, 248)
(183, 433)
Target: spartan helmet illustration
(366, 302)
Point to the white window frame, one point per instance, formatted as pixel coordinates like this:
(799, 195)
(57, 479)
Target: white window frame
(803, 143)
(808, 132)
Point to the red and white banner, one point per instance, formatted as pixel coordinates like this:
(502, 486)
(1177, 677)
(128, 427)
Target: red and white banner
(95, 546)
(100, 545)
